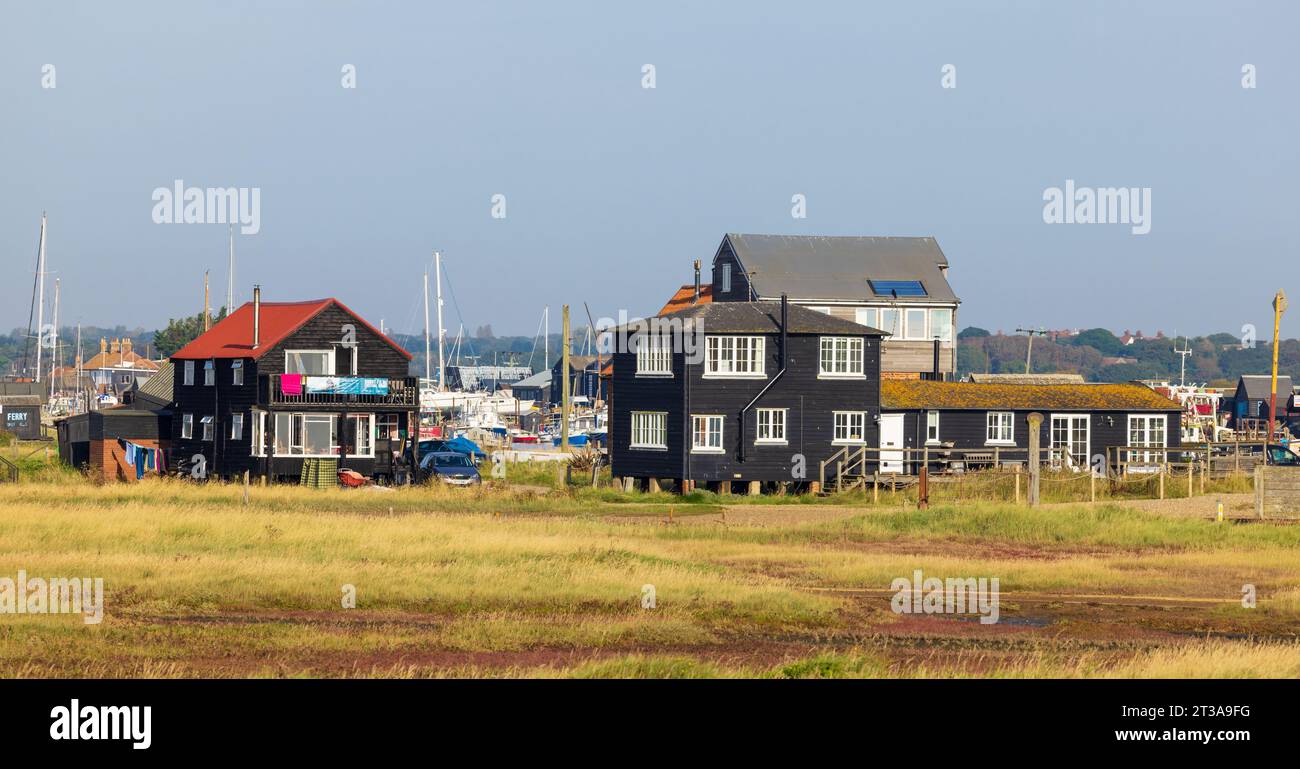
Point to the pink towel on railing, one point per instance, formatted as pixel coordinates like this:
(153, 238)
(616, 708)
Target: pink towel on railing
(291, 384)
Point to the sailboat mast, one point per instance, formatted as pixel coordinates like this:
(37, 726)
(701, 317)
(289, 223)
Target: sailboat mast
(230, 275)
(54, 351)
(427, 359)
(40, 300)
(546, 336)
(442, 362)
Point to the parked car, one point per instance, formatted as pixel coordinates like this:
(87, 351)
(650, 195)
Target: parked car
(1281, 455)
(450, 467)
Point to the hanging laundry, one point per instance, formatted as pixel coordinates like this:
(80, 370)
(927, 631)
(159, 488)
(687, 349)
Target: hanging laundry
(291, 384)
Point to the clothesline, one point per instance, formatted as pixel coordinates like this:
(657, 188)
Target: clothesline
(143, 458)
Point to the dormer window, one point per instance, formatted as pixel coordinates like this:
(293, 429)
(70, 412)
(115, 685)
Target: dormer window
(309, 362)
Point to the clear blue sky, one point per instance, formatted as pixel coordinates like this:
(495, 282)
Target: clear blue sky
(613, 189)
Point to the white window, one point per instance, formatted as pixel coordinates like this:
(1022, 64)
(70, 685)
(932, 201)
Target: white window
(915, 317)
(362, 431)
(822, 310)
(726, 277)
(649, 430)
(237, 372)
(891, 321)
(209, 373)
(236, 427)
(284, 438)
(654, 355)
(317, 436)
(187, 425)
(259, 434)
(706, 433)
(311, 362)
(941, 324)
(189, 372)
(207, 428)
(1146, 430)
(841, 356)
(931, 427)
(867, 316)
(999, 428)
(771, 426)
(737, 356)
(850, 426)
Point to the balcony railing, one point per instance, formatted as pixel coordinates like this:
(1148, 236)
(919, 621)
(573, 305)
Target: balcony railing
(402, 393)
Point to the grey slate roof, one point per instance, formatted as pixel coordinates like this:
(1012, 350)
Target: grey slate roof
(762, 318)
(159, 386)
(1259, 386)
(838, 268)
(540, 379)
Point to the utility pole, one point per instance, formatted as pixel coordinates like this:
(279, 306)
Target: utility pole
(40, 300)
(207, 318)
(564, 387)
(1182, 363)
(1029, 354)
(442, 371)
(54, 351)
(1279, 307)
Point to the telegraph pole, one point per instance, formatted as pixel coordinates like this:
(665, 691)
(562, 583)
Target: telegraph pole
(1279, 307)
(564, 388)
(1029, 354)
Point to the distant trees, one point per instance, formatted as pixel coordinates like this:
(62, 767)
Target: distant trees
(180, 332)
(972, 332)
(1100, 340)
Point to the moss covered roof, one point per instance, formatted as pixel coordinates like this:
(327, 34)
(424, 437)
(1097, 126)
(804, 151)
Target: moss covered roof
(924, 394)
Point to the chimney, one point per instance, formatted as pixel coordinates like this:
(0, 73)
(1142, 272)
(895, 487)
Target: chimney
(103, 345)
(257, 315)
(697, 281)
(126, 346)
(115, 346)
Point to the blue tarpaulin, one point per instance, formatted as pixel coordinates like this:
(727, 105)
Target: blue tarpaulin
(466, 446)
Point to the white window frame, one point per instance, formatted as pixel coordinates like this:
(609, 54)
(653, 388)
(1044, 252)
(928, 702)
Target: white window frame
(209, 425)
(187, 426)
(236, 427)
(1069, 418)
(894, 330)
(911, 333)
(714, 348)
(846, 350)
(867, 316)
(819, 308)
(358, 431)
(649, 430)
(237, 372)
(258, 427)
(188, 368)
(726, 277)
(932, 428)
(714, 426)
(993, 430)
(329, 358)
(209, 373)
(849, 417)
(770, 426)
(654, 356)
(946, 334)
(1147, 441)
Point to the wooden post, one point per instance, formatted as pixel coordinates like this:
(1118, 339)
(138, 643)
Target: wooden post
(875, 487)
(1035, 420)
(755, 488)
(1190, 472)
(1017, 484)
(822, 477)
(1092, 487)
(1162, 481)
(923, 488)
(839, 476)
(724, 487)
(815, 487)
(652, 485)
(245, 488)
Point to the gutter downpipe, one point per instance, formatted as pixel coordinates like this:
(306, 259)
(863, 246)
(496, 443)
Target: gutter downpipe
(785, 338)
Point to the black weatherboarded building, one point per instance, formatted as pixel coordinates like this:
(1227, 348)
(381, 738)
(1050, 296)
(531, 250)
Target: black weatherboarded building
(752, 392)
(277, 383)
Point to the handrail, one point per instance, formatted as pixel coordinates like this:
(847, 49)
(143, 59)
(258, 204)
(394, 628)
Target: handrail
(8, 470)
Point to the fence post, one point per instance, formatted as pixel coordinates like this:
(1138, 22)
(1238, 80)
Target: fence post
(1162, 481)
(1017, 484)
(875, 487)
(1092, 487)
(1191, 468)
(1035, 421)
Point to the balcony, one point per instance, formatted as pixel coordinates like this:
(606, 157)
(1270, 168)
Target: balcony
(381, 392)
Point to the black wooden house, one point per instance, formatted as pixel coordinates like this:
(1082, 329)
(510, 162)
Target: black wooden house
(1080, 421)
(276, 383)
(740, 392)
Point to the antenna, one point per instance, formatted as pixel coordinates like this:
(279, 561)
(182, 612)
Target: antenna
(1182, 363)
(1029, 354)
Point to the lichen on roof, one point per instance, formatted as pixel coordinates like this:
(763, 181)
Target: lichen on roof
(925, 394)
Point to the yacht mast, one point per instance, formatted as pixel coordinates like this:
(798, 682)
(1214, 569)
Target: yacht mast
(40, 300)
(442, 372)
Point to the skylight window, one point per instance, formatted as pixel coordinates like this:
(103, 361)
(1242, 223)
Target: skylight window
(897, 288)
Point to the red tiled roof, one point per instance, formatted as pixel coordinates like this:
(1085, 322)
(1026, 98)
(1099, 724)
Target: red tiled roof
(685, 297)
(232, 337)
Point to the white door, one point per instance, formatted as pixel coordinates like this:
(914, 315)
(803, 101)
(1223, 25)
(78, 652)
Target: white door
(891, 437)
(1070, 435)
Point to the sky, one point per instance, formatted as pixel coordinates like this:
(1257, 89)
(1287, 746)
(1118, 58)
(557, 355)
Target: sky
(612, 188)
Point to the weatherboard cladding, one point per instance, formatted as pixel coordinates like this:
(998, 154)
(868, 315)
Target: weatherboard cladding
(1260, 386)
(761, 318)
(826, 268)
(809, 401)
